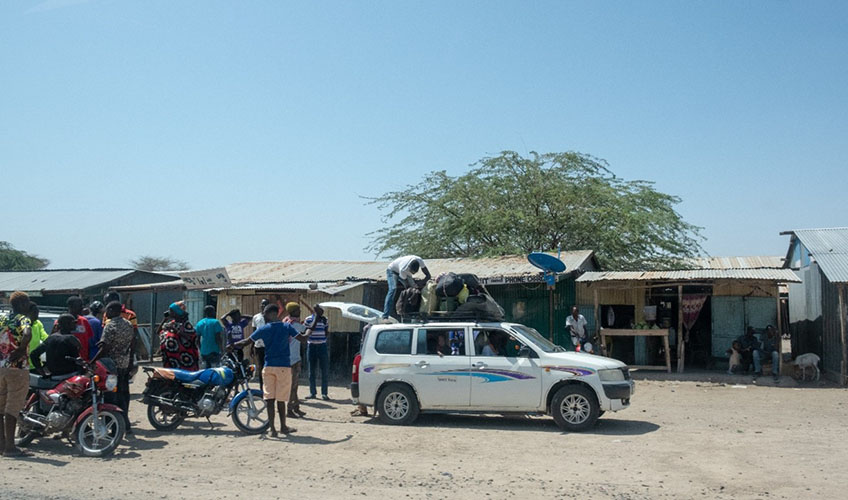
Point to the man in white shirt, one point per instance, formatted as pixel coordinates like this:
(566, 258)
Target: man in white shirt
(258, 345)
(576, 326)
(402, 269)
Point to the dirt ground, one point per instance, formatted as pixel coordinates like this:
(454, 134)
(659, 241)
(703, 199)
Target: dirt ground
(677, 440)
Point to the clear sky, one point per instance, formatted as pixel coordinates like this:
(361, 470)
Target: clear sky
(218, 132)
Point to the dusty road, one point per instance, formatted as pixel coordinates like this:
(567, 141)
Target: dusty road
(678, 440)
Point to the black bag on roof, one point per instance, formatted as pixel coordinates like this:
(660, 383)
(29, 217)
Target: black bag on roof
(449, 285)
(481, 307)
(409, 301)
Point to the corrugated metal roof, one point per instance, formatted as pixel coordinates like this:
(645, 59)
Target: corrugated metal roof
(59, 280)
(753, 262)
(829, 248)
(776, 275)
(324, 271)
(328, 288)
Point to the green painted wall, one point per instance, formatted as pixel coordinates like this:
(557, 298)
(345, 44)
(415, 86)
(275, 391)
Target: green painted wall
(527, 303)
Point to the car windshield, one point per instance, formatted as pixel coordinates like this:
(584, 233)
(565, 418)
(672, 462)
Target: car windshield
(537, 339)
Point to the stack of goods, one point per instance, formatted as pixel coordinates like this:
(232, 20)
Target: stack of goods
(459, 295)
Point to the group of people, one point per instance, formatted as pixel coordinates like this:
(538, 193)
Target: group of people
(275, 341)
(748, 350)
(79, 333)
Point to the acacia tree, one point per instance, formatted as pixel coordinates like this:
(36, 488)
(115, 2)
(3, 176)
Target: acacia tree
(511, 204)
(151, 263)
(12, 259)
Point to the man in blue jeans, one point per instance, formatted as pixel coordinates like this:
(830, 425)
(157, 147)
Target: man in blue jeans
(317, 329)
(402, 268)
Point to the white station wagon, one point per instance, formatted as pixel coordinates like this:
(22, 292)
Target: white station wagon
(404, 369)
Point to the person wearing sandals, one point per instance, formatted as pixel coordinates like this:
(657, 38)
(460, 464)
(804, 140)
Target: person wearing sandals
(15, 334)
(277, 372)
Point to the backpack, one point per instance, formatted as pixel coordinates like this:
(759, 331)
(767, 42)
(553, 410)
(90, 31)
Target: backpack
(449, 285)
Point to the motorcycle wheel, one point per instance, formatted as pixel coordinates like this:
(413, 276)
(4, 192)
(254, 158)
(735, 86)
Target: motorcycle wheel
(251, 420)
(23, 433)
(91, 444)
(164, 419)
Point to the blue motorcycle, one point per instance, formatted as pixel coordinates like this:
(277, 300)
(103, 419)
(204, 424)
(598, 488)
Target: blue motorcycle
(173, 395)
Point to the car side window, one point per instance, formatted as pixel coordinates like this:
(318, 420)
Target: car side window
(441, 341)
(496, 342)
(394, 342)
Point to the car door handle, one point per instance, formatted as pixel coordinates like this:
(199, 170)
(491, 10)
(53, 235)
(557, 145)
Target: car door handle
(422, 364)
(479, 365)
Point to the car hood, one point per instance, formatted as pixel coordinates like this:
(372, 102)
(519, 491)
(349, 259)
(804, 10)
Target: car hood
(583, 360)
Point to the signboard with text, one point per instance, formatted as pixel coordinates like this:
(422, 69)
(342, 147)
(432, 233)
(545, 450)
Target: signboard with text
(206, 278)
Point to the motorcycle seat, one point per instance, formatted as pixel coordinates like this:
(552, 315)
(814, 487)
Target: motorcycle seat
(37, 381)
(210, 375)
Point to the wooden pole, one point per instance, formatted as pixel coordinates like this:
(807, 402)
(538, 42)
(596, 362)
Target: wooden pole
(680, 349)
(779, 333)
(598, 324)
(842, 327)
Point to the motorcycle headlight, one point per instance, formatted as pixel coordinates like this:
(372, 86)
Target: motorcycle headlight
(111, 382)
(613, 375)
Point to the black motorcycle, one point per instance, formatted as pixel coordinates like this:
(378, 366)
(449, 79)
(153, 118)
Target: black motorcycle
(173, 395)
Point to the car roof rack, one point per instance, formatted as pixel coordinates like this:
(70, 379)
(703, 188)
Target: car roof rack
(447, 317)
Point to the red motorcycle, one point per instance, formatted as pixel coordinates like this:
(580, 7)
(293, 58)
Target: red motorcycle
(72, 404)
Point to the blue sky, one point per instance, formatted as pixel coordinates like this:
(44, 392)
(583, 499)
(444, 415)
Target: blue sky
(218, 132)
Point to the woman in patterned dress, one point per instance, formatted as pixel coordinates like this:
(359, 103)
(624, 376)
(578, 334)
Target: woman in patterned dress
(178, 340)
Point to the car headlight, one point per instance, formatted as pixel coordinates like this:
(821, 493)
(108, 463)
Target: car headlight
(613, 375)
(111, 382)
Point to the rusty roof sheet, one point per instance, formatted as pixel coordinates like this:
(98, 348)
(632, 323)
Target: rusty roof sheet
(754, 262)
(829, 248)
(324, 271)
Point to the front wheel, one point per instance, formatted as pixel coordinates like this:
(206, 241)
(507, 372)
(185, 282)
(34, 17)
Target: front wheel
(250, 414)
(575, 408)
(163, 418)
(100, 437)
(397, 405)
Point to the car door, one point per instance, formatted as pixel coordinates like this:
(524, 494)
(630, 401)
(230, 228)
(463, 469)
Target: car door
(503, 381)
(441, 367)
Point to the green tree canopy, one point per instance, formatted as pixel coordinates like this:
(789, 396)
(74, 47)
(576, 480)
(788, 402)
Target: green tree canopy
(151, 263)
(12, 259)
(512, 204)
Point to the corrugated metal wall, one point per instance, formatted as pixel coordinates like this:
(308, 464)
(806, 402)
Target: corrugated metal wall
(528, 304)
(831, 330)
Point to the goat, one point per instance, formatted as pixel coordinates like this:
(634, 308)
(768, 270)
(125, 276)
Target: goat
(808, 360)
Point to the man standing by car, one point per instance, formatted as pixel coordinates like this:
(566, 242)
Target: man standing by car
(402, 269)
(118, 343)
(15, 334)
(277, 372)
(576, 326)
(317, 329)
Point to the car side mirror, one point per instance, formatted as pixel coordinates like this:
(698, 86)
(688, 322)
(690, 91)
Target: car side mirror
(525, 352)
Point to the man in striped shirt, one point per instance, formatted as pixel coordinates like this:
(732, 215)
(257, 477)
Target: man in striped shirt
(317, 330)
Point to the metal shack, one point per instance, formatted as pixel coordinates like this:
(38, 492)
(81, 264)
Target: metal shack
(52, 287)
(817, 305)
(655, 319)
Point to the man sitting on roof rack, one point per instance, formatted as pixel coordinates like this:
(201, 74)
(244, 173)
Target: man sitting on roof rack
(402, 268)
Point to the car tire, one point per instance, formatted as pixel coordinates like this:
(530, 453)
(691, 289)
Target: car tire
(397, 405)
(575, 408)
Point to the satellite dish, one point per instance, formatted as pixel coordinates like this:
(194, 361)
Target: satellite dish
(546, 262)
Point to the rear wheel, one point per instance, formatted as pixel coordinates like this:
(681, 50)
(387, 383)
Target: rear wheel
(24, 434)
(100, 437)
(397, 405)
(575, 408)
(251, 415)
(164, 418)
